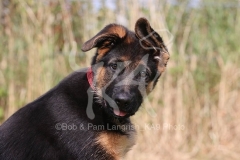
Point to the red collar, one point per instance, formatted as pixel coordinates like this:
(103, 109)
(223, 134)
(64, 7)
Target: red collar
(90, 77)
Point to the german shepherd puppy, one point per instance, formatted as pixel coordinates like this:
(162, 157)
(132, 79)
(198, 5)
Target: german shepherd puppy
(86, 116)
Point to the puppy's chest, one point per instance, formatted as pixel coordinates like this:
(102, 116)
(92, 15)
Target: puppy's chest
(116, 144)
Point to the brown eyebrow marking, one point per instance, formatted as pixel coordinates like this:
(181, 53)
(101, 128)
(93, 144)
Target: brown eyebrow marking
(101, 53)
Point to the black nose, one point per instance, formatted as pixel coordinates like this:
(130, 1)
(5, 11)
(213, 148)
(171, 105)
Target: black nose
(123, 100)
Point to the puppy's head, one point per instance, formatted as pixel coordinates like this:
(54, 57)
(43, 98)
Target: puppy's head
(126, 66)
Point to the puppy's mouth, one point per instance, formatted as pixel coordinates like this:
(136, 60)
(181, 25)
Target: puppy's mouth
(118, 112)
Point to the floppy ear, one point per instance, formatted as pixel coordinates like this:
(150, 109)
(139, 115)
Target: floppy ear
(152, 40)
(105, 39)
(146, 34)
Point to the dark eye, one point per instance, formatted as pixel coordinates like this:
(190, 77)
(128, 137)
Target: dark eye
(113, 66)
(145, 75)
(111, 43)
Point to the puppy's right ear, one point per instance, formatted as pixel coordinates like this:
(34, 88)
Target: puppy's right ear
(105, 39)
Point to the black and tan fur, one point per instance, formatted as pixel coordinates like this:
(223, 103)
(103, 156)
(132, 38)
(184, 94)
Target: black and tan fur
(125, 69)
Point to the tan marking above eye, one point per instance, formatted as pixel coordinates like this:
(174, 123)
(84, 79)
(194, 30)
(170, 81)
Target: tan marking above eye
(101, 53)
(125, 58)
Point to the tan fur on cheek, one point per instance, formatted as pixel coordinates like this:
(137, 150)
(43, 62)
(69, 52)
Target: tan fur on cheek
(161, 68)
(103, 77)
(100, 77)
(150, 87)
(165, 58)
(163, 62)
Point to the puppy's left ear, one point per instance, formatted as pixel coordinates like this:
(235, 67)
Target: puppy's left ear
(147, 35)
(152, 40)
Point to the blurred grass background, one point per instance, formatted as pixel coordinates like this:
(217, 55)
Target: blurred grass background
(40, 44)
